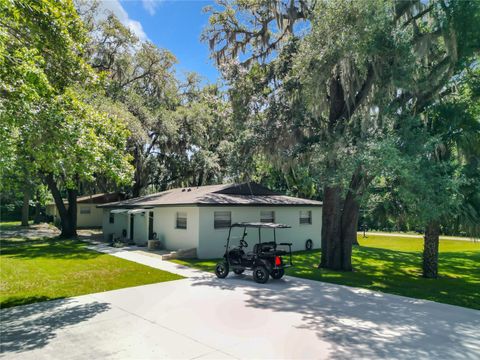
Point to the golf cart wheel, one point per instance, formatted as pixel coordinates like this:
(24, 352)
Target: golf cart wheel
(238, 271)
(277, 274)
(221, 270)
(260, 274)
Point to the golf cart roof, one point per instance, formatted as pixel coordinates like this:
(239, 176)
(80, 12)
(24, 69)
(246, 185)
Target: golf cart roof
(261, 225)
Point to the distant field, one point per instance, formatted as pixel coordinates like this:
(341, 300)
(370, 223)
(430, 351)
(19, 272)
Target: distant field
(392, 264)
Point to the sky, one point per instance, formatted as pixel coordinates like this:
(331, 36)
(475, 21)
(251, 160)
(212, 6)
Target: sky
(175, 25)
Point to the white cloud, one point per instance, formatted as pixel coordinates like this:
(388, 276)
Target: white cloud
(151, 5)
(114, 6)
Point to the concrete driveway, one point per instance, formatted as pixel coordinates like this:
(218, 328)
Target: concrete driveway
(202, 317)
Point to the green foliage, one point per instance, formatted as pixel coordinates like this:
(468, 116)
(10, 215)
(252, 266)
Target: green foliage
(50, 123)
(434, 170)
(76, 141)
(179, 131)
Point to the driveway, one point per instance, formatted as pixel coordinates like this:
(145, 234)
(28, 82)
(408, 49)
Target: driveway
(202, 317)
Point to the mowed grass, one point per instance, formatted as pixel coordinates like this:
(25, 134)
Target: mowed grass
(11, 225)
(53, 269)
(393, 265)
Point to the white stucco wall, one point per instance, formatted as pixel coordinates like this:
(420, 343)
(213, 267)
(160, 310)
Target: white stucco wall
(93, 219)
(164, 222)
(201, 234)
(212, 241)
(120, 223)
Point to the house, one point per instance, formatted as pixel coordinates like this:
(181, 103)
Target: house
(199, 217)
(88, 215)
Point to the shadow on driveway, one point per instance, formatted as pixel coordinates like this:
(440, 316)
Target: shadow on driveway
(34, 326)
(360, 323)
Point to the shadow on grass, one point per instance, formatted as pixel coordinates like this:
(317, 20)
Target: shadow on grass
(394, 272)
(399, 273)
(51, 249)
(19, 241)
(34, 326)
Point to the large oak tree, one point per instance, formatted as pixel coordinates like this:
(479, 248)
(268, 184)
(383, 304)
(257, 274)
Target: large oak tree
(357, 62)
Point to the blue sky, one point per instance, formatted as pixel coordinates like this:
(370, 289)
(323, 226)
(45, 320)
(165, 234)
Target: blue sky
(175, 25)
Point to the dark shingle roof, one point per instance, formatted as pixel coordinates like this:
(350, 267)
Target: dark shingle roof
(101, 198)
(211, 195)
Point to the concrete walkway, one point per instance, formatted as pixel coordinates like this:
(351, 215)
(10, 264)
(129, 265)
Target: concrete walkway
(202, 317)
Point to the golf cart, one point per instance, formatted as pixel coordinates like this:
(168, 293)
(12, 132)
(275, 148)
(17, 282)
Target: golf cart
(265, 259)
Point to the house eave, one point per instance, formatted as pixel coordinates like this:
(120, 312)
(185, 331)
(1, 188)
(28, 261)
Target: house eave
(203, 205)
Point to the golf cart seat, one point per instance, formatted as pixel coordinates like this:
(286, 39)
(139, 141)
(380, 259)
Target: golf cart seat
(236, 252)
(263, 247)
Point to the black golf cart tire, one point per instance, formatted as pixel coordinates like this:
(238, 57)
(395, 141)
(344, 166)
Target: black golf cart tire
(260, 274)
(277, 274)
(238, 271)
(221, 274)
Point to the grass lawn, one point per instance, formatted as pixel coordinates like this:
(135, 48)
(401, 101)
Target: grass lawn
(52, 269)
(393, 265)
(11, 225)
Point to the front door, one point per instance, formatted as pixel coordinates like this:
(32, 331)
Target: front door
(132, 217)
(150, 225)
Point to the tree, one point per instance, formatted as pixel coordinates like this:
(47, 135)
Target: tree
(141, 85)
(46, 106)
(445, 146)
(360, 61)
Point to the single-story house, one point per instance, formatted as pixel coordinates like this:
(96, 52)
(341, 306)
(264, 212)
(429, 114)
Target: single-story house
(199, 217)
(88, 215)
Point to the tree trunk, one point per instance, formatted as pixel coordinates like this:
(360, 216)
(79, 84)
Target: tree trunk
(25, 207)
(349, 224)
(340, 218)
(200, 178)
(72, 212)
(331, 234)
(68, 218)
(332, 247)
(36, 218)
(139, 175)
(136, 188)
(38, 206)
(351, 210)
(430, 250)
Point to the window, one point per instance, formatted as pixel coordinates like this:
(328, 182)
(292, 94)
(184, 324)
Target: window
(181, 220)
(84, 210)
(305, 217)
(111, 219)
(267, 216)
(222, 219)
